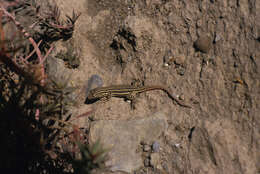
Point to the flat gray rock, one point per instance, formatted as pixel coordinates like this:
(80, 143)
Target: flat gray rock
(124, 137)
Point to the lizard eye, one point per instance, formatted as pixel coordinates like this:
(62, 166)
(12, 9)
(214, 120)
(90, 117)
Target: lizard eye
(91, 94)
(105, 93)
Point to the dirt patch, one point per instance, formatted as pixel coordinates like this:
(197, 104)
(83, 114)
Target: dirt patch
(154, 42)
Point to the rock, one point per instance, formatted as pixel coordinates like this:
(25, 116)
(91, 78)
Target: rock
(93, 82)
(180, 59)
(124, 137)
(203, 43)
(147, 148)
(56, 69)
(156, 146)
(168, 58)
(182, 97)
(146, 162)
(62, 76)
(217, 38)
(199, 23)
(181, 70)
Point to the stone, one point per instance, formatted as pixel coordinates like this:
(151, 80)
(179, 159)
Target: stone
(203, 43)
(124, 137)
(146, 162)
(217, 38)
(56, 69)
(180, 59)
(156, 146)
(147, 148)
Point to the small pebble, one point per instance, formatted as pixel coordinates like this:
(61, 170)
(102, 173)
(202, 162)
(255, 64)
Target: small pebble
(93, 82)
(147, 148)
(156, 146)
(168, 58)
(203, 43)
(217, 38)
(181, 70)
(147, 162)
(180, 60)
(166, 64)
(177, 145)
(181, 97)
(165, 167)
(199, 23)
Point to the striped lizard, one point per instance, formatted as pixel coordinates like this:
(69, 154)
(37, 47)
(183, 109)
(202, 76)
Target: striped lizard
(127, 91)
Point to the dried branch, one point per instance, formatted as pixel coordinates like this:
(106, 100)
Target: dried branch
(56, 28)
(37, 77)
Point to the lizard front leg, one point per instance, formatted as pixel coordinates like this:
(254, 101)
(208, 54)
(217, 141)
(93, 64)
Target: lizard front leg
(132, 97)
(106, 97)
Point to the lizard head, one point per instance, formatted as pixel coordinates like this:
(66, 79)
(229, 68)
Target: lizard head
(91, 95)
(96, 94)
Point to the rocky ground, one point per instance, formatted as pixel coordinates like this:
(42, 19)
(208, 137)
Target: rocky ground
(207, 53)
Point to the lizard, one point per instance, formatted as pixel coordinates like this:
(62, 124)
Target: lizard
(127, 91)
